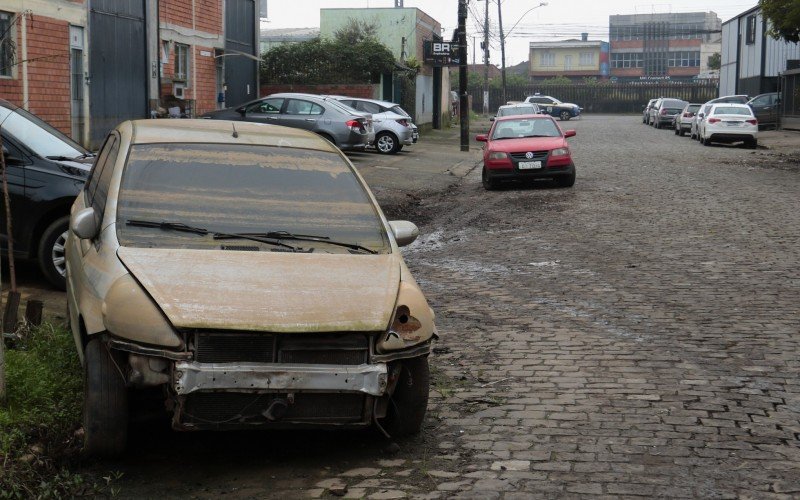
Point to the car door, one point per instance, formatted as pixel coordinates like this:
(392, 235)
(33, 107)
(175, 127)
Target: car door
(302, 113)
(377, 113)
(16, 161)
(764, 108)
(265, 111)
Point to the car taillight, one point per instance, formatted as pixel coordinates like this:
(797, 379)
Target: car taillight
(713, 120)
(663, 111)
(355, 125)
(688, 115)
(403, 122)
(752, 122)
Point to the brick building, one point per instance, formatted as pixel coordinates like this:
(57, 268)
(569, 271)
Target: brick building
(85, 66)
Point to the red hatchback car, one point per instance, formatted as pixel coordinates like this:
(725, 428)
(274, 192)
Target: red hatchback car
(526, 147)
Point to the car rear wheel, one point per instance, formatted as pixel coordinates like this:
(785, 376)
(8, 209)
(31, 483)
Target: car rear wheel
(409, 402)
(105, 403)
(677, 132)
(681, 132)
(567, 180)
(386, 143)
(51, 256)
(565, 115)
(751, 144)
(488, 183)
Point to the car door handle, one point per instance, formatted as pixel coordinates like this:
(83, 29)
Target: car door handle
(311, 119)
(272, 118)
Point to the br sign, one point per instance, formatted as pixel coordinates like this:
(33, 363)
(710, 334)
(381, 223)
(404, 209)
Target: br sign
(440, 53)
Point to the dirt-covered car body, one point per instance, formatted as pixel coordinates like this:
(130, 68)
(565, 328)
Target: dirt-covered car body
(245, 272)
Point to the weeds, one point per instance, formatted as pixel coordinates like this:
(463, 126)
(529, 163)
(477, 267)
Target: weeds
(39, 438)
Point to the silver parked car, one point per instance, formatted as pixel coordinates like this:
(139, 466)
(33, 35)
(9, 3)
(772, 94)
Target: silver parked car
(393, 126)
(345, 127)
(522, 108)
(246, 278)
(683, 120)
(664, 111)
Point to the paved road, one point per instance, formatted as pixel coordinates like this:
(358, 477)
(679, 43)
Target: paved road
(637, 334)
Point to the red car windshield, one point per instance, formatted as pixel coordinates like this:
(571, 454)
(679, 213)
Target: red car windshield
(525, 127)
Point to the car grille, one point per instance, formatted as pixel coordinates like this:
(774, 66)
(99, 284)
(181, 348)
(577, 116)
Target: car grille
(218, 409)
(246, 347)
(537, 156)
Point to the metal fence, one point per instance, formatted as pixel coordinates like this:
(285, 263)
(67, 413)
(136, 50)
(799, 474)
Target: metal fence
(603, 98)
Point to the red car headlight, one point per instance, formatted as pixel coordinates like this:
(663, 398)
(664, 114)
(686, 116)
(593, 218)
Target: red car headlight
(498, 155)
(560, 152)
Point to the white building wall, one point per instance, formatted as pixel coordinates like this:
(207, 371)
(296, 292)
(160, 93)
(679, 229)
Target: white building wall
(750, 55)
(778, 52)
(424, 106)
(727, 73)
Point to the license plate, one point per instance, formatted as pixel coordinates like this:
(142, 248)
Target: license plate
(734, 124)
(529, 165)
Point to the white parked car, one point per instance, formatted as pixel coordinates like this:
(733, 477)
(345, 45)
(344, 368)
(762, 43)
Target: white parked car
(694, 131)
(728, 123)
(394, 127)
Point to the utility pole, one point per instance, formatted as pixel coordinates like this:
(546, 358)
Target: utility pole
(462, 74)
(502, 50)
(486, 60)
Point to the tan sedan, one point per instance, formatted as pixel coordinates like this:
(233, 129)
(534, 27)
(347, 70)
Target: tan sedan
(246, 274)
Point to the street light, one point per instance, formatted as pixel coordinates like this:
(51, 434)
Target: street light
(503, 39)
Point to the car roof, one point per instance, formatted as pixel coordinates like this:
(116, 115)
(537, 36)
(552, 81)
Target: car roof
(203, 131)
(375, 101)
(518, 105)
(729, 104)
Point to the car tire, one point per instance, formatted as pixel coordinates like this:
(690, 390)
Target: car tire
(565, 181)
(488, 183)
(752, 144)
(657, 124)
(50, 253)
(705, 142)
(409, 402)
(105, 403)
(565, 116)
(681, 132)
(386, 143)
(677, 132)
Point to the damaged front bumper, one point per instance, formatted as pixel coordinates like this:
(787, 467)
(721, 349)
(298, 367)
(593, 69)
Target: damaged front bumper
(191, 376)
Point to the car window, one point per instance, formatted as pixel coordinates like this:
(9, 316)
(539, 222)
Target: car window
(104, 179)
(239, 188)
(301, 107)
(517, 110)
(13, 150)
(348, 102)
(399, 111)
(271, 106)
(533, 127)
(731, 110)
(692, 108)
(368, 107)
(97, 168)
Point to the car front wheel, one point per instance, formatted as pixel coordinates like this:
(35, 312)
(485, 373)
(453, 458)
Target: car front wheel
(409, 402)
(567, 180)
(488, 183)
(105, 403)
(565, 115)
(51, 256)
(386, 143)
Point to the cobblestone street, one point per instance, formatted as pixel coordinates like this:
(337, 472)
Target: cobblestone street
(635, 335)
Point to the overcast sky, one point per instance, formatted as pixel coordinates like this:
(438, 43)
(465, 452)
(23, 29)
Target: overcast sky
(559, 20)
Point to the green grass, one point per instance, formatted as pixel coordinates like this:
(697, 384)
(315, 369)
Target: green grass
(38, 447)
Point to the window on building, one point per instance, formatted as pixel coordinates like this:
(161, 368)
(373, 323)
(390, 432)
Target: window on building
(750, 33)
(547, 59)
(6, 44)
(586, 58)
(181, 73)
(684, 59)
(627, 60)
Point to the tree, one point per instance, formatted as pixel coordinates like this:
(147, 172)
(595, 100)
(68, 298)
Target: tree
(715, 61)
(354, 55)
(783, 17)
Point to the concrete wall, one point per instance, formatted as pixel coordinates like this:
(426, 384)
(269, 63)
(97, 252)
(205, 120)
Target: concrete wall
(424, 100)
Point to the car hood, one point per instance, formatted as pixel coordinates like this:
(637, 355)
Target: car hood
(526, 144)
(268, 291)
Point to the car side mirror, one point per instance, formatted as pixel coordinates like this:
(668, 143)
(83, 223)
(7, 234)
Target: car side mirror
(241, 110)
(700, 115)
(481, 138)
(84, 224)
(569, 133)
(11, 160)
(404, 232)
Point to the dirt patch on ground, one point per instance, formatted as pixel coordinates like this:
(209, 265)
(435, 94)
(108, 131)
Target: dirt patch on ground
(769, 160)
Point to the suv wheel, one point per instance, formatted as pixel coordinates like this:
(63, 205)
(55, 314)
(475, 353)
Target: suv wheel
(51, 252)
(386, 143)
(105, 403)
(409, 402)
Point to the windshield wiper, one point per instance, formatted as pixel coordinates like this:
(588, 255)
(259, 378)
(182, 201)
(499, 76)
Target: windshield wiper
(70, 158)
(285, 235)
(180, 226)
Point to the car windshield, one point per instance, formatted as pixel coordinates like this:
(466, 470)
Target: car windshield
(693, 107)
(516, 110)
(731, 110)
(234, 188)
(530, 127)
(38, 135)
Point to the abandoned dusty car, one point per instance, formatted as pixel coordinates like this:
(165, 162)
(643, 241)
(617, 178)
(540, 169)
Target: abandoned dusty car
(245, 274)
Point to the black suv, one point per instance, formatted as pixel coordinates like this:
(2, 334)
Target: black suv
(46, 170)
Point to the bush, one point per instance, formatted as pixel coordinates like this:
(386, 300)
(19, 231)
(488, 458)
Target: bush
(38, 444)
